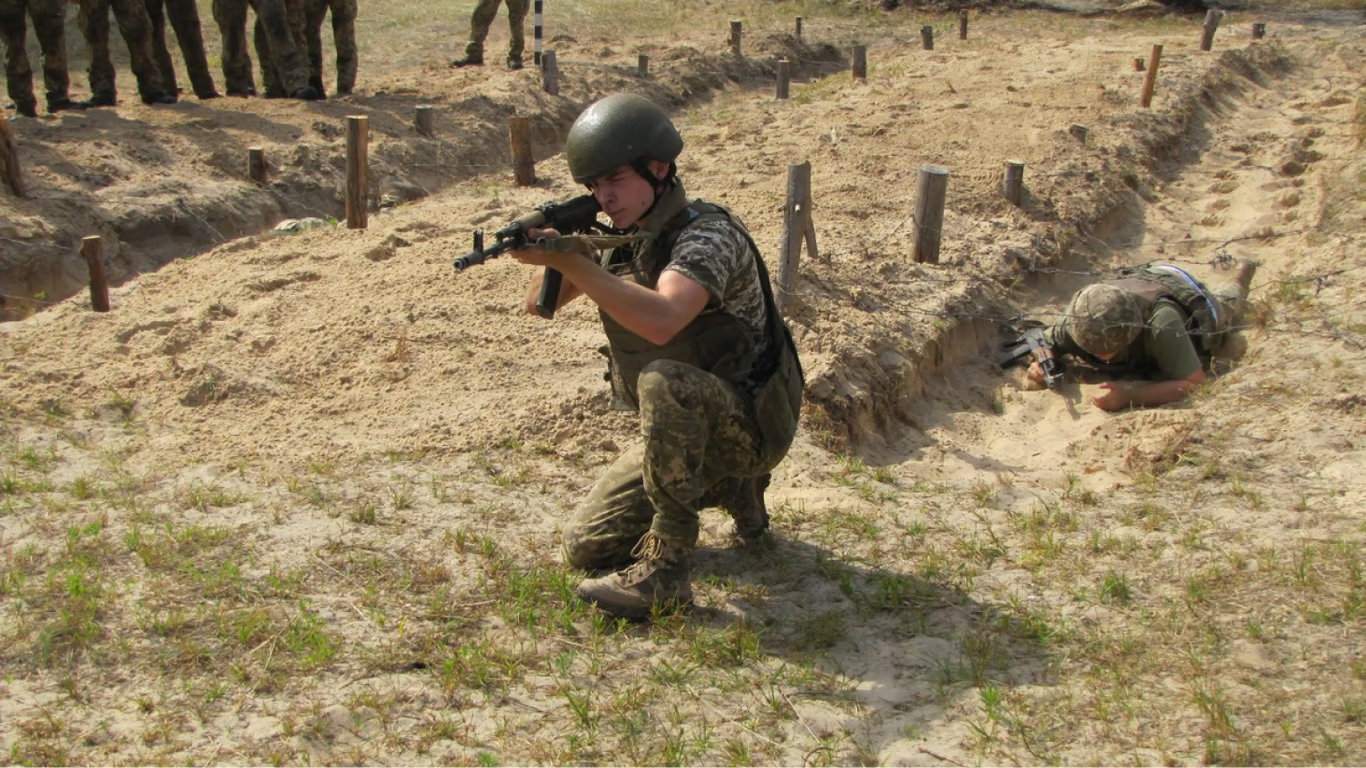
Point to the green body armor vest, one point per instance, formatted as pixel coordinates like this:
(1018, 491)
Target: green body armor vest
(770, 379)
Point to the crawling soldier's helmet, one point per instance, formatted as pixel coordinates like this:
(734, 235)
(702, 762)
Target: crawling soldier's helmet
(621, 129)
(1104, 319)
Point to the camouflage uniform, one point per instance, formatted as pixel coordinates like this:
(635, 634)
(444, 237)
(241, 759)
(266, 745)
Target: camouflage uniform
(1154, 320)
(271, 66)
(136, 28)
(343, 36)
(705, 443)
(281, 57)
(184, 16)
(49, 22)
(482, 19)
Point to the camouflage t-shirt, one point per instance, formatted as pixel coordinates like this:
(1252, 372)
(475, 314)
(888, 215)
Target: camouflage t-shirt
(714, 252)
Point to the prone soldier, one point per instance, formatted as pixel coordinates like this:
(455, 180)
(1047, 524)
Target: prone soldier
(1155, 321)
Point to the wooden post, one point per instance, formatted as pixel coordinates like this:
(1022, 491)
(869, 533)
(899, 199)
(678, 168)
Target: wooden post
(929, 213)
(735, 33)
(1079, 132)
(860, 61)
(927, 37)
(1258, 30)
(550, 74)
(1139, 66)
(256, 164)
(799, 27)
(784, 78)
(9, 160)
(424, 120)
(1012, 186)
(796, 222)
(963, 24)
(643, 65)
(524, 165)
(1149, 82)
(357, 171)
(92, 250)
(1207, 32)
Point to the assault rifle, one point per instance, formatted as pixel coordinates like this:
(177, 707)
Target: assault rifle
(1032, 344)
(575, 216)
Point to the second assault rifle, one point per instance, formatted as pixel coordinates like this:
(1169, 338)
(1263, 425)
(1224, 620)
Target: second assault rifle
(575, 216)
(1032, 345)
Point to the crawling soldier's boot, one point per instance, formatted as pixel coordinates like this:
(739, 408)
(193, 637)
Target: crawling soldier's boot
(660, 575)
(1246, 269)
(746, 508)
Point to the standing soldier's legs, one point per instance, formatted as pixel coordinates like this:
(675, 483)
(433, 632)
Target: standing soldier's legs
(314, 13)
(276, 29)
(18, 72)
(93, 20)
(344, 37)
(480, 21)
(49, 22)
(184, 17)
(136, 28)
(156, 17)
(231, 18)
(517, 35)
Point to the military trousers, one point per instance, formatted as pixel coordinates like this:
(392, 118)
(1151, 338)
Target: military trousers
(49, 17)
(482, 19)
(700, 435)
(136, 28)
(281, 58)
(343, 37)
(184, 17)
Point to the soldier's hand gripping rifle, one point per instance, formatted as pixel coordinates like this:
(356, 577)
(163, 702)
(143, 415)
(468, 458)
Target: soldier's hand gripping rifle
(574, 216)
(1032, 345)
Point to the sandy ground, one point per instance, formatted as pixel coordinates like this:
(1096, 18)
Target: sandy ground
(275, 387)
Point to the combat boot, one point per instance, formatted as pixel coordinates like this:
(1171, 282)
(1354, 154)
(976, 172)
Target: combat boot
(154, 99)
(468, 61)
(514, 63)
(660, 576)
(305, 93)
(746, 508)
(57, 105)
(27, 108)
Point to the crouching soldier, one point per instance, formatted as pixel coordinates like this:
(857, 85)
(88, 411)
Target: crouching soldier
(1153, 321)
(697, 346)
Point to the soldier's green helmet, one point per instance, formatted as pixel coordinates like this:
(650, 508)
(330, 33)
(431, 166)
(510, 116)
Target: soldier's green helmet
(1104, 319)
(618, 130)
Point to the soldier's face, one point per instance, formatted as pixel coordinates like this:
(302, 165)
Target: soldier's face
(625, 195)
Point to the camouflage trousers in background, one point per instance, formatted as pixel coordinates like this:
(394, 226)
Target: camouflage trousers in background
(184, 16)
(136, 28)
(343, 36)
(280, 54)
(49, 23)
(279, 74)
(701, 443)
(482, 19)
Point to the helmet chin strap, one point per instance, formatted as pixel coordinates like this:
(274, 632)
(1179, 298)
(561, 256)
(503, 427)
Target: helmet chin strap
(641, 166)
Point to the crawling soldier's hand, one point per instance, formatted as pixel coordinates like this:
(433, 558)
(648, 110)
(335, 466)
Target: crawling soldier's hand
(1034, 377)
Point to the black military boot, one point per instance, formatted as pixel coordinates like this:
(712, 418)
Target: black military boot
(661, 576)
(514, 63)
(746, 508)
(27, 108)
(316, 83)
(154, 99)
(468, 61)
(64, 103)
